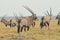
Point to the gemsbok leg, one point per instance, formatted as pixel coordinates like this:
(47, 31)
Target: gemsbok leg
(18, 28)
(27, 28)
(23, 27)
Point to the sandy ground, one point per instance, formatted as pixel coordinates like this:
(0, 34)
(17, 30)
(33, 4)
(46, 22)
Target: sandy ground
(35, 33)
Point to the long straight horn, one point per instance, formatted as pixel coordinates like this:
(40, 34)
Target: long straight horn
(15, 15)
(47, 13)
(58, 13)
(29, 10)
(4, 16)
(50, 12)
(21, 15)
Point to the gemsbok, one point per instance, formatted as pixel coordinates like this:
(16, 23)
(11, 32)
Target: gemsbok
(58, 17)
(26, 22)
(46, 19)
(6, 22)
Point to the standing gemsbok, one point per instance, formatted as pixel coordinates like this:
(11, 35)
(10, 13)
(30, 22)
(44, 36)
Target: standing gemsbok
(46, 19)
(26, 22)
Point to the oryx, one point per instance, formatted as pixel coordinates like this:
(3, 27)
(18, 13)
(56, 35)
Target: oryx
(18, 20)
(46, 19)
(58, 17)
(26, 22)
(8, 22)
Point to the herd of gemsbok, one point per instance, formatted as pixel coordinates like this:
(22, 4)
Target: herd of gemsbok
(26, 22)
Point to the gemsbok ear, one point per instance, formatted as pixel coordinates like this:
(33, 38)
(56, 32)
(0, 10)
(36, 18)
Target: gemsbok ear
(29, 10)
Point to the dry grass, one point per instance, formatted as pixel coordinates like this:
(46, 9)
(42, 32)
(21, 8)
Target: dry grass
(35, 33)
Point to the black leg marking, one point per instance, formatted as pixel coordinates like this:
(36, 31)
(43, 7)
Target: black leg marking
(21, 28)
(18, 29)
(27, 28)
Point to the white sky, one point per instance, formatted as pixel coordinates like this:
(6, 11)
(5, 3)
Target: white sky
(7, 7)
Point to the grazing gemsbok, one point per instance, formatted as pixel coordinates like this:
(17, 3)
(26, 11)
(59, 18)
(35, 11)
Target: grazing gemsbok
(26, 22)
(46, 19)
(6, 22)
(58, 17)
